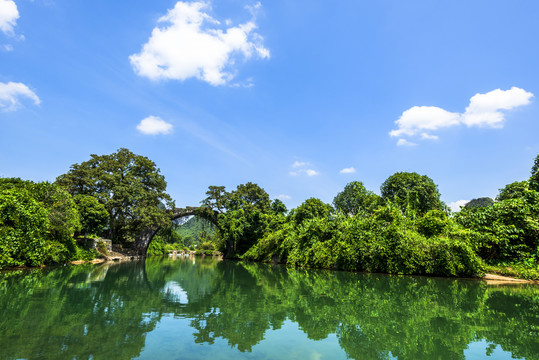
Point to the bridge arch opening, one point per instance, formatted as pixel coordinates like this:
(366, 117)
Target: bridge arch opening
(203, 212)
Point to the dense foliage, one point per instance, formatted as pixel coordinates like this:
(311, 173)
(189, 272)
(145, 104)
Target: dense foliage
(408, 230)
(411, 191)
(243, 216)
(93, 214)
(409, 233)
(118, 195)
(356, 199)
(534, 179)
(387, 242)
(509, 229)
(129, 186)
(23, 228)
(37, 223)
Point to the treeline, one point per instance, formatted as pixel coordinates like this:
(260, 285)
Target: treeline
(406, 230)
(117, 196)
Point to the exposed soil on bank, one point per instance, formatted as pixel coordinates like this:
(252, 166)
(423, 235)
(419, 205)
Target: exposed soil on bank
(111, 256)
(493, 279)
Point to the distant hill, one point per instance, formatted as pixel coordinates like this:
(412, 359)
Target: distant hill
(191, 229)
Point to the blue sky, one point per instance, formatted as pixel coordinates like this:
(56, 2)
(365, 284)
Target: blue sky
(300, 97)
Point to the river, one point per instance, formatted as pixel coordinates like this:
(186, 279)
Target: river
(201, 308)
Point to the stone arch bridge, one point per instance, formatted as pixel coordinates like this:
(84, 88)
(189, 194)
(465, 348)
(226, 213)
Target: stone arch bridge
(142, 243)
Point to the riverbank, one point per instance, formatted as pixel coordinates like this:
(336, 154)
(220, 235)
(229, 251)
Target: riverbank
(493, 279)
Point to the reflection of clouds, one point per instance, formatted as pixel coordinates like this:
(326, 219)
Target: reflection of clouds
(176, 292)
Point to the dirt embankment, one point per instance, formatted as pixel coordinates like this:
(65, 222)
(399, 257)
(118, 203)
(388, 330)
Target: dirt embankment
(493, 279)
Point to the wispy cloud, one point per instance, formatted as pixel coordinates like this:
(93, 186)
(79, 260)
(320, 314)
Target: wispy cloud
(11, 94)
(404, 142)
(284, 197)
(213, 139)
(302, 168)
(349, 170)
(484, 110)
(189, 43)
(298, 164)
(154, 125)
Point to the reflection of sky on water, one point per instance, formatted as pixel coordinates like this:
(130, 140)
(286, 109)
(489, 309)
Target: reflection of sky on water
(171, 339)
(175, 292)
(480, 349)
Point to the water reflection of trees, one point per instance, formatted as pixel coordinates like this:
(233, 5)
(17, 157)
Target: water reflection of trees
(78, 312)
(372, 315)
(66, 313)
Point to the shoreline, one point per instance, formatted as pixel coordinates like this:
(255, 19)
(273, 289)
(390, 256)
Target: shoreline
(488, 278)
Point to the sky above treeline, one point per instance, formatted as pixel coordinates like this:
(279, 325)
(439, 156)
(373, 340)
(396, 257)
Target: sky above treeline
(300, 97)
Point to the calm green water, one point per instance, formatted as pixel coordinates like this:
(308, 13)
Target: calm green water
(202, 308)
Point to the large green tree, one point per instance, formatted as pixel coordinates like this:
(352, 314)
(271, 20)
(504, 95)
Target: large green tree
(356, 199)
(244, 215)
(130, 187)
(411, 191)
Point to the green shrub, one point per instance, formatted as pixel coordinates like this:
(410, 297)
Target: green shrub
(102, 247)
(157, 247)
(24, 225)
(85, 255)
(433, 223)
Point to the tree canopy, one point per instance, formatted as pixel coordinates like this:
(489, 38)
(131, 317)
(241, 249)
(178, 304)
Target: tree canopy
(130, 187)
(243, 215)
(411, 191)
(355, 199)
(514, 190)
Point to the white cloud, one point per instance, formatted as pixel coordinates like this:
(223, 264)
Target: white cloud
(11, 94)
(284, 197)
(188, 43)
(311, 172)
(153, 125)
(404, 142)
(298, 164)
(484, 110)
(8, 16)
(455, 206)
(349, 170)
(419, 118)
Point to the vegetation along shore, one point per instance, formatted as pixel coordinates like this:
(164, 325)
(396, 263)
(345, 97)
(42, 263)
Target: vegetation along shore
(406, 229)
